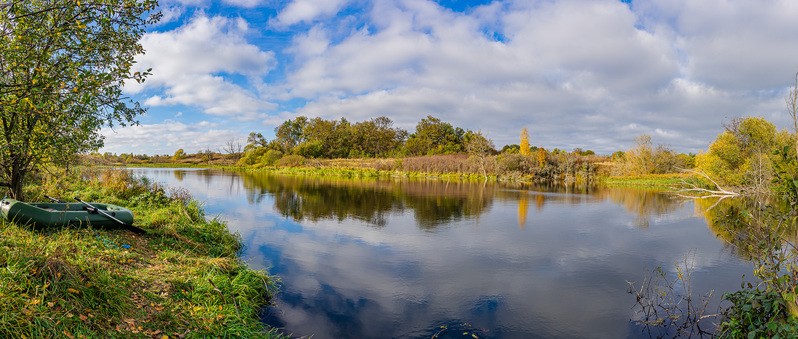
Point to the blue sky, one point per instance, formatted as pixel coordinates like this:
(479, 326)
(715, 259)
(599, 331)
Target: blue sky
(581, 73)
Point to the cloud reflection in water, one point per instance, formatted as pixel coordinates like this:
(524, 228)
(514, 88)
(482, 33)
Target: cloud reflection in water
(388, 258)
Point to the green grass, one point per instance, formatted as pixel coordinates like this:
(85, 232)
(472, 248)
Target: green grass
(653, 181)
(366, 173)
(170, 165)
(363, 168)
(182, 279)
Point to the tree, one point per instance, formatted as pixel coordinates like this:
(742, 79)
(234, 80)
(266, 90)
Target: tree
(640, 158)
(325, 139)
(376, 138)
(207, 154)
(644, 158)
(524, 148)
(234, 148)
(513, 149)
(792, 108)
(479, 148)
(179, 154)
(434, 136)
(744, 155)
(255, 140)
(541, 157)
(62, 67)
(786, 162)
(290, 133)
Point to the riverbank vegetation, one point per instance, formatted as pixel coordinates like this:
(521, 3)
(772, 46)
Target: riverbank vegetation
(756, 166)
(181, 279)
(64, 65)
(63, 68)
(434, 149)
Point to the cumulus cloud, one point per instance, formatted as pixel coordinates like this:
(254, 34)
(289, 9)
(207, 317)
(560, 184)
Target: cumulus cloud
(738, 45)
(306, 11)
(556, 60)
(244, 3)
(169, 136)
(171, 14)
(574, 72)
(194, 64)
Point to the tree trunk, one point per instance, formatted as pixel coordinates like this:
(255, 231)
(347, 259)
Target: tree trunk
(16, 182)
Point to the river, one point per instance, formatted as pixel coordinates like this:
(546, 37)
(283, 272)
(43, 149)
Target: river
(398, 258)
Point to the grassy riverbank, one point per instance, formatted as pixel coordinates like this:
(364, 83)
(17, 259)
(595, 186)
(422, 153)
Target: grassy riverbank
(182, 279)
(652, 181)
(347, 168)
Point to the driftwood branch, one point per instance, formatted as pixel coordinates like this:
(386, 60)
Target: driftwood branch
(693, 191)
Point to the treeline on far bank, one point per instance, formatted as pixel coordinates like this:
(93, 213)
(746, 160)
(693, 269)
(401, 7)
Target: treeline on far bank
(433, 147)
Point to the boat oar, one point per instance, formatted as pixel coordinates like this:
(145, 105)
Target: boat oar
(53, 199)
(91, 208)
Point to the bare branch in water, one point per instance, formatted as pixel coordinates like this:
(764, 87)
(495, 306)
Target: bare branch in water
(692, 191)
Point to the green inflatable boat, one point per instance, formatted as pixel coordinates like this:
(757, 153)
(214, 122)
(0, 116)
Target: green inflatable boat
(61, 214)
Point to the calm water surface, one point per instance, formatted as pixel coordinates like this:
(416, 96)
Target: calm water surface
(388, 258)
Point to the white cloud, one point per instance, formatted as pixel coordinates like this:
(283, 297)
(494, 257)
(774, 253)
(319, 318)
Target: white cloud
(244, 3)
(170, 14)
(575, 72)
(307, 10)
(738, 45)
(186, 3)
(170, 136)
(558, 60)
(194, 64)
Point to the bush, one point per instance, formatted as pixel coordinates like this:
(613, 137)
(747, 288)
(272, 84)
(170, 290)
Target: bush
(271, 157)
(439, 164)
(310, 149)
(514, 163)
(252, 155)
(757, 314)
(292, 160)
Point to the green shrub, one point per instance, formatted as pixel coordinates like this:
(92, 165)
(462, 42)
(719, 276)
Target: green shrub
(514, 162)
(271, 157)
(252, 155)
(292, 160)
(757, 314)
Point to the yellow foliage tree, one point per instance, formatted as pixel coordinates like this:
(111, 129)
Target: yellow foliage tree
(179, 154)
(524, 145)
(745, 154)
(541, 157)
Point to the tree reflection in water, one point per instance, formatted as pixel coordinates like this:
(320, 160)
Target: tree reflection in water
(644, 204)
(744, 224)
(314, 198)
(512, 260)
(434, 203)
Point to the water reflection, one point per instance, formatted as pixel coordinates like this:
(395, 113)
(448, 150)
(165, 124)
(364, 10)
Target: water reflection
(398, 258)
(643, 204)
(313, 198)
(745, 224)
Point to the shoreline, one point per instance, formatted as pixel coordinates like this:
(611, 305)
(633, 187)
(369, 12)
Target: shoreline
(652, 181)
(182, 278)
